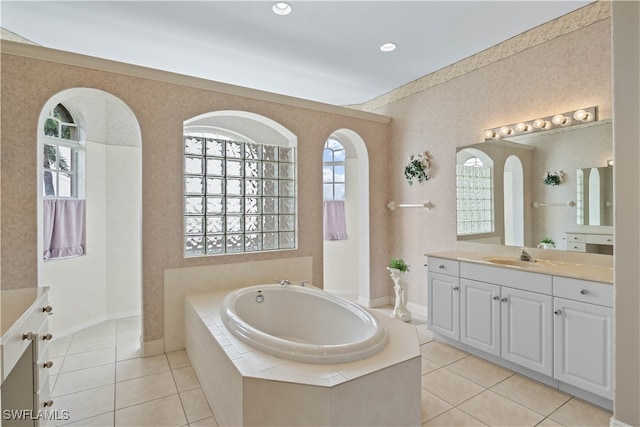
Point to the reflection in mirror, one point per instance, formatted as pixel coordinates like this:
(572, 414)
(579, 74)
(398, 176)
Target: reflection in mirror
(518, 165)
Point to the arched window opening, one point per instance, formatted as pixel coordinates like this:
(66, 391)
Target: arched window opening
(333, 170)
(474, 192)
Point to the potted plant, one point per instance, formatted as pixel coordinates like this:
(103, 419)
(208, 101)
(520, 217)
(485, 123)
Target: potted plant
(397, 267)
(553, 178)
(547, 243)
(417, 168)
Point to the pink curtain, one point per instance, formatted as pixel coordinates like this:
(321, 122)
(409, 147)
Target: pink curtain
(334, 221)
(63, 227)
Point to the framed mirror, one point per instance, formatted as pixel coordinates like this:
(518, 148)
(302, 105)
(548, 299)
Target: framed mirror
(502, 197)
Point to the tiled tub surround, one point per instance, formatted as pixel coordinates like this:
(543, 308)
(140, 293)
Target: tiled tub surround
(245, 386)
(551, 320)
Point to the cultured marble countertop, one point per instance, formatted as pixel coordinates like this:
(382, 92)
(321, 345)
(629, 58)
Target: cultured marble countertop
(554, 267)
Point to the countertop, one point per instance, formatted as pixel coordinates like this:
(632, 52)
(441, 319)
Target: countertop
(596, 273)
(14, 303)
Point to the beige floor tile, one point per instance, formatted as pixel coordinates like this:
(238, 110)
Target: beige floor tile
(432, 406)
(178, 359)
(90, 359)
(89, 344)
(129, 324)
(531, 394)
(57, 365)
(548, 422)
(454, 418)
(144, 389)
(495, 410)
(185, 378)
(103, 420)
(59, 348)
(449, 386)
(578, 413)
(479, 371)
(166, 411)
(141, 366)
(102, 329)
(130, 350)
(84, 379)
(427, 366)
(86, 404)
(195, 405)
(207, 422)
(441, 354)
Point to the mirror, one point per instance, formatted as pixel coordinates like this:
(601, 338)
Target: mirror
(503, 199)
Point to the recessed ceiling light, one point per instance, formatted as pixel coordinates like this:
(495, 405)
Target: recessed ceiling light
(281, 8)
(388, 47)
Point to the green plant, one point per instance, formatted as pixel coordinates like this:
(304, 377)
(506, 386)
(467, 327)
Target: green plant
(399, 264)
(553, 178)
(548, 240)
(417, 168)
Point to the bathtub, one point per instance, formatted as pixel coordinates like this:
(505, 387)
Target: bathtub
(302, 323)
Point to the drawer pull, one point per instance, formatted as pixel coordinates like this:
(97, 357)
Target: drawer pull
(557, 312)
(504, 299)
(496, 297)
(28, 336)
(48, 403)
(46, 337)
(455, 288)
(583, 291)
(47, 309)
(441, 266)
(47, 364)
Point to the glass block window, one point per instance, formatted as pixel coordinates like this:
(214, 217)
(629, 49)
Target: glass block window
(579, 197)
(61, 155)
(333, 170)
(474, 198)
(238, 196)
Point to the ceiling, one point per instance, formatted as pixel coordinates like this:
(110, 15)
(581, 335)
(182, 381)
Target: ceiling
(327, 51)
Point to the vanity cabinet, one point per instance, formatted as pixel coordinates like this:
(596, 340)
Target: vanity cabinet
(551, 325)
(583, 335)
(24, 362)
(444, 298)
(592, 243)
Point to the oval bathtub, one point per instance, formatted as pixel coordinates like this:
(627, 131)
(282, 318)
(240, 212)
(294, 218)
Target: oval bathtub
(304, 324)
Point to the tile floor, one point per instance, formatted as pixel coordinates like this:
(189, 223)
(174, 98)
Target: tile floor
(99, 378)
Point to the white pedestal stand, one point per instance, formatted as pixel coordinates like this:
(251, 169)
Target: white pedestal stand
(400, 310)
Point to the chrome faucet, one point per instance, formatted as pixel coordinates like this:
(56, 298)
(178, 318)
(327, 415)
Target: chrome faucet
(285, 282)
(524, 255)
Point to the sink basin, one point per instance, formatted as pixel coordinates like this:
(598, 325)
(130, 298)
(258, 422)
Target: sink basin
(517, 263)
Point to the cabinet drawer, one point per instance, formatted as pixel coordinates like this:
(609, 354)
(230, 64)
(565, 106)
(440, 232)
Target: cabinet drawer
(575, 238)
(576, 247)
(16, 342)
(527, 281)
(443, 266)
(600, 239)
(583, 290)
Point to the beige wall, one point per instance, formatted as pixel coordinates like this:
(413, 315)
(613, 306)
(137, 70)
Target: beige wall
(161, 108)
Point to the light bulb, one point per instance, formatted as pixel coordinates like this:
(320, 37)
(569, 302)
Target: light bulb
(522, 127)
(489, 134)
(540, 124)
(505, 131)
(582, 115)
(560, 120)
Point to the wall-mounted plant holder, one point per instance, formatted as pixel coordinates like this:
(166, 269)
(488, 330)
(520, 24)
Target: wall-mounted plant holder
(553, 178)
(418, 168)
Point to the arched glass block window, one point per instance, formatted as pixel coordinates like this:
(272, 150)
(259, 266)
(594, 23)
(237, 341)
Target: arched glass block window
(333, 170)
(474, 193)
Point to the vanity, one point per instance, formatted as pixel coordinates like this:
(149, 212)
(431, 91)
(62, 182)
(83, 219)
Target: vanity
(24, 365)
(549, 320)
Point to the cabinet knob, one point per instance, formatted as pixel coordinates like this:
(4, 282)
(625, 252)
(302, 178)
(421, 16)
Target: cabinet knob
(455, 288)
(46, 337)
(47, 309)
(496, 297)
(47, 364)
(48, 403)
(583, 291)
(441, 266)
(557, 312)
(504, 299)
(28, 336)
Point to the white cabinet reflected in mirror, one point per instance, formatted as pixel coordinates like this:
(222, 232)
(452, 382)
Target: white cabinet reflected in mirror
(498, 183)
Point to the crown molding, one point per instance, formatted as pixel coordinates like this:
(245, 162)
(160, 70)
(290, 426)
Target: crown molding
(8, 47)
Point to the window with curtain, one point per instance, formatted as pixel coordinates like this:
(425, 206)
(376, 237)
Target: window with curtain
(333, 190)
(238, 196)
(63, 210)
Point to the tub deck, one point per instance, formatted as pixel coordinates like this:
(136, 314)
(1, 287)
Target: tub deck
(245, 386)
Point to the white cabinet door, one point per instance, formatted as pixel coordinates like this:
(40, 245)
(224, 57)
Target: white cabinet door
(527, 329)
(480, 315)
(444, 300)
(583, 342)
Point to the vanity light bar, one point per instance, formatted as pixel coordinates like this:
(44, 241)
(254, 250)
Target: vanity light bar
(570, 118)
